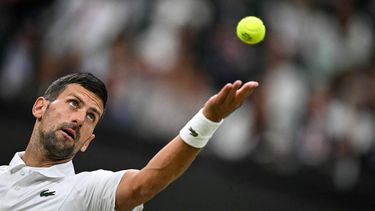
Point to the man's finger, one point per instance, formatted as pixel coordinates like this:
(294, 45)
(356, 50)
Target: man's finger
(232, 93)
(223, 94)
(246, 90)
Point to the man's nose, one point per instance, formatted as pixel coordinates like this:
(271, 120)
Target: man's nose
(79, 117)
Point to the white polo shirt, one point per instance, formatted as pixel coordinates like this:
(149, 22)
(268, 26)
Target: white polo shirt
(56, 188)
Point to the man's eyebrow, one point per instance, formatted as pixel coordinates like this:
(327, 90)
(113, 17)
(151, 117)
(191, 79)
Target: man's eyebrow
(91, 108)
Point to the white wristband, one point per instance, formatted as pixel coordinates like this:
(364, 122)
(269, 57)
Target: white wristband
(198, 131)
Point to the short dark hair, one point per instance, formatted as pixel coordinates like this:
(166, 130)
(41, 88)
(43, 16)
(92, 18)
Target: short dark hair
(86, 80)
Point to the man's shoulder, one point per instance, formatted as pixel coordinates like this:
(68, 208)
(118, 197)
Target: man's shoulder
(96, 176)
(99, 172)
(3, 168)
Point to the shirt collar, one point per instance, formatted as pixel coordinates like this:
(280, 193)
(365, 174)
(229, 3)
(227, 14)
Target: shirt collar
(55, 171)
(16, 163)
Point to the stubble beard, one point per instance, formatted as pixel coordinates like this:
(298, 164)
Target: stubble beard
(55, 149)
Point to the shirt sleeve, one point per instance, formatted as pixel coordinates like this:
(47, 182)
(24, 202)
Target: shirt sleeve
(100, 189)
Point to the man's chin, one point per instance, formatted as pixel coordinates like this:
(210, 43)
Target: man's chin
(58, 154)
(57, 146)
(62, 149)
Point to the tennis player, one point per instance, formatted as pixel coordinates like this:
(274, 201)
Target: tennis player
(43, 178)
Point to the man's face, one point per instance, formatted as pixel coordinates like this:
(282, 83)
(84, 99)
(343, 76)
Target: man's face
(68, 123)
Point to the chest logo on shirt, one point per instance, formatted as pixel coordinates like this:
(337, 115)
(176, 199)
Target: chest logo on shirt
(46, 193)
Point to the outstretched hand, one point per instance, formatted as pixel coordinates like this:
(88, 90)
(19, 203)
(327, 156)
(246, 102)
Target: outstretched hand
(230, 97)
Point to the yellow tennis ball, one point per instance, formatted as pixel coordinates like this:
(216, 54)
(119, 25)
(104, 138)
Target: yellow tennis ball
(251, 30)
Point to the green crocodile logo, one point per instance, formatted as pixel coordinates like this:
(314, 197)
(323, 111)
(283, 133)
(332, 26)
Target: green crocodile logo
(193, 132)
(46, 193)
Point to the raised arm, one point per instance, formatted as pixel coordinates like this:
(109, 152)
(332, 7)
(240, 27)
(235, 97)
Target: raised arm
(139, 186)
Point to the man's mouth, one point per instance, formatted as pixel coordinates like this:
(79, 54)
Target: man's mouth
(70, 133)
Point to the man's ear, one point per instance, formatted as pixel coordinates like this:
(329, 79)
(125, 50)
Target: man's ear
(39, 107)
(87, 143)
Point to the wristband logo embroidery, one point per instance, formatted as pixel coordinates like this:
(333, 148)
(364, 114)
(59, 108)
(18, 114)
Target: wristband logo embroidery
(193, 132)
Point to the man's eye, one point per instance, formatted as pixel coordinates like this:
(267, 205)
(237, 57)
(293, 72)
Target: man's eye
(91, 117)
(73, 103)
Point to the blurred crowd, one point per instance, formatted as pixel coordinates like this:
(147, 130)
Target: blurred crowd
(162, 59)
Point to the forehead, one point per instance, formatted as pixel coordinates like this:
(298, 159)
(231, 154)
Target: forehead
(88, 97)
